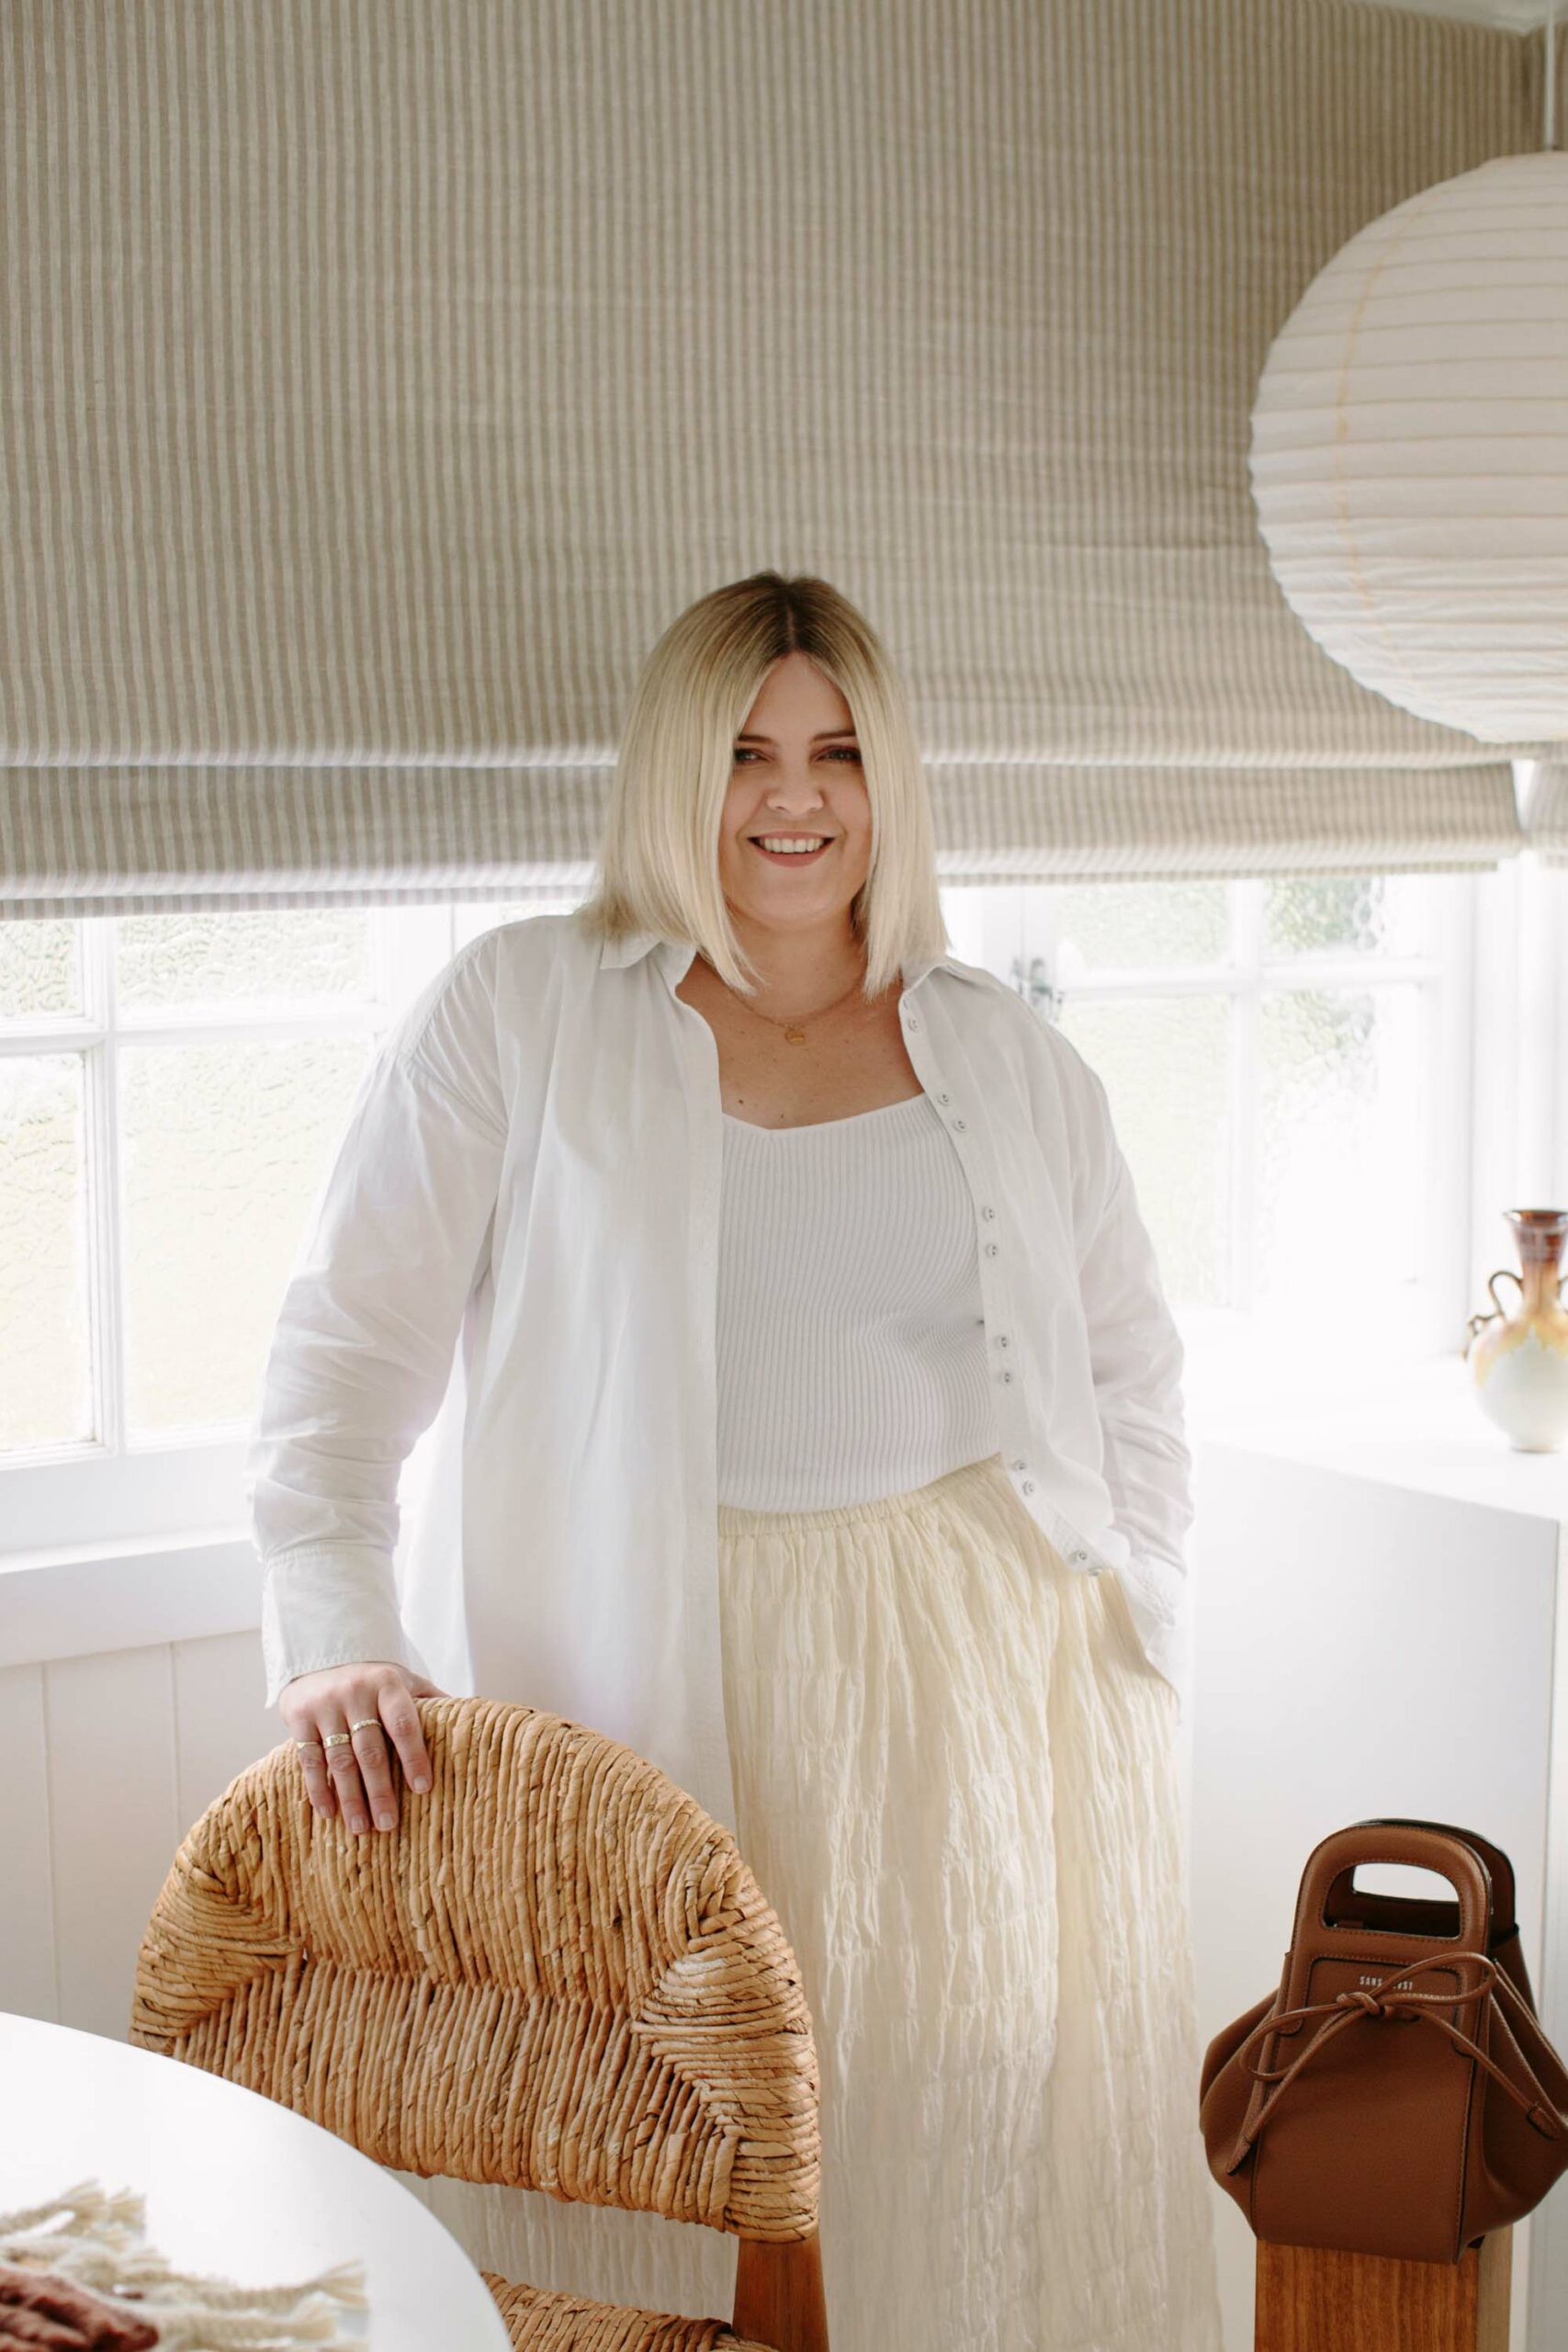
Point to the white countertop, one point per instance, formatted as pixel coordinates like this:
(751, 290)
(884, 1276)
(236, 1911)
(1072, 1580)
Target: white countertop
(1417, 1425)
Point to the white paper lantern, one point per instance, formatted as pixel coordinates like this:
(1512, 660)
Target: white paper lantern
(1410, 453)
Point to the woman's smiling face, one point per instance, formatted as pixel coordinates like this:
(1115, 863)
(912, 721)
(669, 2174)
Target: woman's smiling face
(796, 771)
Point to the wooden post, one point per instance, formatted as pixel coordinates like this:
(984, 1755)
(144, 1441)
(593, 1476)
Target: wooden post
(778, 2295)
(1315, 2299)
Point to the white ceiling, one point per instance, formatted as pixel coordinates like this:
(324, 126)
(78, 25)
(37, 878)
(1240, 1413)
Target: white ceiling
(1517, 16)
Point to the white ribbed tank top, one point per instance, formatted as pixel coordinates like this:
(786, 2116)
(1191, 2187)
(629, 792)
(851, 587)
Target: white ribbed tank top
(851, 1345)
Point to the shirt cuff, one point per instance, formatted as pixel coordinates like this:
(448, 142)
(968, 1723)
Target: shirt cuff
(330, 1608)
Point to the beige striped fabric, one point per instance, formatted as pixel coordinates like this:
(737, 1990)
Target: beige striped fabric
(1546, 813)
(176, 841)
(382, 376)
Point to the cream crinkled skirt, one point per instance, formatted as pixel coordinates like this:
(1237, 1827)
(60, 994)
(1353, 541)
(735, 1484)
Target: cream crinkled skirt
(955, 1780)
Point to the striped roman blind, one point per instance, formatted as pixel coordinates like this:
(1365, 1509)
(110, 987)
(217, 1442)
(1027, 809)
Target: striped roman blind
(1547, 813)
(380, 378)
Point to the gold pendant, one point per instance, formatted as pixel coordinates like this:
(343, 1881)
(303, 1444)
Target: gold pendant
(795, 1036)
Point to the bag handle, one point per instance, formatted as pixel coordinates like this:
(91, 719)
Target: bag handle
(1499, 1868)
(1422, 1845)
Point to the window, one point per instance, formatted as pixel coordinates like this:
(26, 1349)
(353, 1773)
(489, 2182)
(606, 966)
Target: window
(1286, 1061)
(1281, 1058)
(172, 1090)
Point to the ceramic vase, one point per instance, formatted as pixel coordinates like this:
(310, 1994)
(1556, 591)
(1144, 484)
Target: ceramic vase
(1518, 1356)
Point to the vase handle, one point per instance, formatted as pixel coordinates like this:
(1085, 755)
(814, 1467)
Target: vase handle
(1504, 1274)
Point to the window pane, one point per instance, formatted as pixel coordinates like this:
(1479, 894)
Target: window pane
(1135, 924)
(1165, 1064)
(224, 1148)
(476, 915)
(44, 1385)
(260, 958)
(1341, 1148)
(1339, 914)
(515, 909)
(40, 969)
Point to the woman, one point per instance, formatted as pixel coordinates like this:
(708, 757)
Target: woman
(823, 1441)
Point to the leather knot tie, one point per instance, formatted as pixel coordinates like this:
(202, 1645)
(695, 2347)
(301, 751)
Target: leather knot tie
(1377, 2001)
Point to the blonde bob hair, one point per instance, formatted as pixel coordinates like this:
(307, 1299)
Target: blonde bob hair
(659, 859)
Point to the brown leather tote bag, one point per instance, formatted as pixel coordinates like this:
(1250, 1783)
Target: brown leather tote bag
(1397, 2095)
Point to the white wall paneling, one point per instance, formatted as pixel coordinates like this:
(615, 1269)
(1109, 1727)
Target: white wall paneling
(220, 1722)
(106, 1759)
(113, 1822)
(26, 1909)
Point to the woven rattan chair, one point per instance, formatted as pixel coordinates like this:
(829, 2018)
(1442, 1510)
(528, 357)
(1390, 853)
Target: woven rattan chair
(556, 1972)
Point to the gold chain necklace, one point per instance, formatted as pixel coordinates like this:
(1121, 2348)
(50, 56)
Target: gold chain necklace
(794, 1034)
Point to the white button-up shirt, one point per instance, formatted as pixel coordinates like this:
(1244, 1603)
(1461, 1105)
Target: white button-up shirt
(531, 1167)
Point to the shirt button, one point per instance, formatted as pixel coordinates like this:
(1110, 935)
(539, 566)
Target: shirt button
(1006, 1375)
(958, 1123)
(944, 1098)
(990, 1249)
(1001, 1342)
(1079, 1557)
(1029, 1486)
(984, 1212)
(913, 1020)
(1021, 1465)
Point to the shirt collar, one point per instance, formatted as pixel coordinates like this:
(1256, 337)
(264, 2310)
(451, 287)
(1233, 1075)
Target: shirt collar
(675, 956)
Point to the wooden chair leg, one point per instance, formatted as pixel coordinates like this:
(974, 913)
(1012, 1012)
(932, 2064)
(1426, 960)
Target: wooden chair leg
(778, 2296)
(1315, 2299)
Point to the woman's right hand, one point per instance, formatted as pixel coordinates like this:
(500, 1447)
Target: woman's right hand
(355, 1776)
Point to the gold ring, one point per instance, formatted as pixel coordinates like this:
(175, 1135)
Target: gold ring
(307, 1743)
(366, 1722)
(336, 1739)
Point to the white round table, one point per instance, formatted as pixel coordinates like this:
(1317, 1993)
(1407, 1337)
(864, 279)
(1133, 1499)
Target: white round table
(234, 2184)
